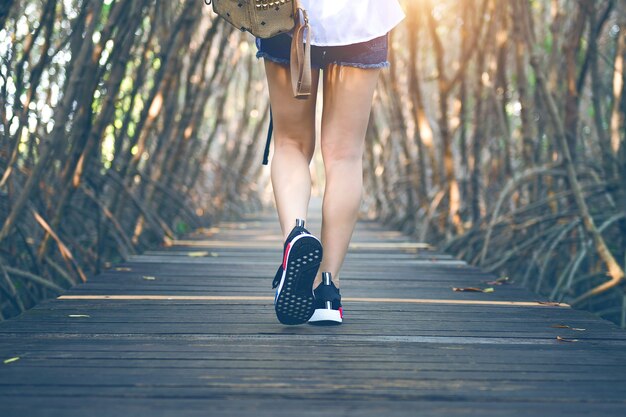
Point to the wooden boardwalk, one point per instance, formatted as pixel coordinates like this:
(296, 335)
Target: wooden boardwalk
(190, 330)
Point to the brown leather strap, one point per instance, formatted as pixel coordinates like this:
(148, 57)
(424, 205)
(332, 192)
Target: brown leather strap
(300, 57)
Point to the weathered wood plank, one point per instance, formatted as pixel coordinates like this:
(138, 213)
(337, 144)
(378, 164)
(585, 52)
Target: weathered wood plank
(308, 407)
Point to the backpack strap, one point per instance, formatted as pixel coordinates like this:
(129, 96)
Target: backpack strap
(300, 56)
(266, 153)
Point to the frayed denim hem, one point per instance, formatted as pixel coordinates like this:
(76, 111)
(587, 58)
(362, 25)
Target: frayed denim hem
(265, 55)
(384, 64)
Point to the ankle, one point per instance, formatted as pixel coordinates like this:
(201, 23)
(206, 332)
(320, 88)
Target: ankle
(318, 280)
(298, 222)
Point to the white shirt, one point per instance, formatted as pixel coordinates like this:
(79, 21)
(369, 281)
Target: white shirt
(344, 22)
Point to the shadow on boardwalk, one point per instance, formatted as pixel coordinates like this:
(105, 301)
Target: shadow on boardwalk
(190, 331)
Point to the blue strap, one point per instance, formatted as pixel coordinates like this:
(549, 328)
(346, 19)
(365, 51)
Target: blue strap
(266, 153)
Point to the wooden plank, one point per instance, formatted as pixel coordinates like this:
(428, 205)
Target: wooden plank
(308, 407)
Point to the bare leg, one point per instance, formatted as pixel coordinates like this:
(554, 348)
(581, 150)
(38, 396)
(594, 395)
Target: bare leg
(294, 143)
(348, 93)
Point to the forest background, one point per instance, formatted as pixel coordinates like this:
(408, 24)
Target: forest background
(497, 134)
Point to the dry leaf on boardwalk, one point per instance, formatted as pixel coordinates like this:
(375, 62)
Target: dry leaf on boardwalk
(499, 281)
(198, 254)
(472, 289)
(149, 278)
(13, 359)
(565, 326)
(78, 315)
(564, 339)
(549, 303)
(123, 268)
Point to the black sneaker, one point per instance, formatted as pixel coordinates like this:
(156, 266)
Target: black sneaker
(302, 255)
(328, 309)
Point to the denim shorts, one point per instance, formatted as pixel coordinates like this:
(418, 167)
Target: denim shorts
(368, 54)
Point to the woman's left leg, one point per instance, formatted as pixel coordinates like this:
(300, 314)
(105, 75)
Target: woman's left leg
(348, 93)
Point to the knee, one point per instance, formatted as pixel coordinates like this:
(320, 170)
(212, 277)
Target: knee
(301, 143)
(341, 152)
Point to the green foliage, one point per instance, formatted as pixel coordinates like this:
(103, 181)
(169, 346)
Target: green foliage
(182, 227)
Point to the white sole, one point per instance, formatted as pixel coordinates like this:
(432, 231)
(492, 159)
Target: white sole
(326, 316)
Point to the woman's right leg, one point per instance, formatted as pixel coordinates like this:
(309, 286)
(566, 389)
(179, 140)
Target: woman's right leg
(294, 143)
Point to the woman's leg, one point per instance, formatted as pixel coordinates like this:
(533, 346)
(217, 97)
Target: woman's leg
(294, 143)
(348, 93)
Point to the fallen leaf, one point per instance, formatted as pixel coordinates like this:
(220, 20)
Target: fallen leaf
(565, 326)
(78, 315)
(499, 281)
(215, 254)
(123, 268)
(548, 303)
(488, 289)
(13, 359)
(563, 339)
(149, 278)
(198, 254)
(468, 289)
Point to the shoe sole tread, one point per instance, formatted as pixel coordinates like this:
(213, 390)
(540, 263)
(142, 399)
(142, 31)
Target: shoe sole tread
(295, 303)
